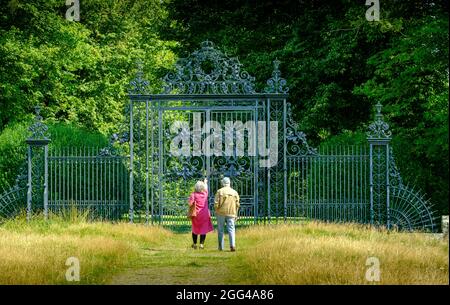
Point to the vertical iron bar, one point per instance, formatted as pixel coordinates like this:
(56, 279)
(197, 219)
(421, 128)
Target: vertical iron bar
(352, 185)
(388, 212)
(320, 175)
(65, 177)
(152, 167)
(160, 170)
(100, 183)
(349, 184)
(340, 182)
(336, 160)
(52, 174)
(30, 187)
(131, 164)
(59, 178)
(346, 183)
(269, 169)
(84, 175)
(371, 183)
(75, 161)
(327, 183)
(146, 165)
(284, 158)
(46, 182)
(89, 177)
(365, 182)
(80, 173)
(255, 166)
(71, 174)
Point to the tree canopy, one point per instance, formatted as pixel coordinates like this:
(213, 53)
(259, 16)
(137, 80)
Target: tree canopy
(337, 63)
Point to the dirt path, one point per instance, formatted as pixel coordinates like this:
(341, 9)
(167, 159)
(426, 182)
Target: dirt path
(177, 263)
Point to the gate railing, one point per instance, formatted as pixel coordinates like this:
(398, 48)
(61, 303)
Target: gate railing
(348, 183)
(332, 185)
(88, 180)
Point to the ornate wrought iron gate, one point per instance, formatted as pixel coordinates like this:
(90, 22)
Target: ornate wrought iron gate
(210, 122)
(334, 184)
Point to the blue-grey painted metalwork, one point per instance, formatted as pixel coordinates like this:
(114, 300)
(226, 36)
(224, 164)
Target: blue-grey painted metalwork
(332, 183)
(37, 141)
(139, 84)
(276, 84)
(85, 180)
(379, 129)
(38, 128)
(208, 70)
(139, 178)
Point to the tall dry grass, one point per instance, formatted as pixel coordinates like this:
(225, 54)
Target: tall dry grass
(36, 252)
(310, 253)
(319, 253)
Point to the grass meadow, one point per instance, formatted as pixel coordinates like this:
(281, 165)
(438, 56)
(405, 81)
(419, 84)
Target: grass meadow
(123, 253)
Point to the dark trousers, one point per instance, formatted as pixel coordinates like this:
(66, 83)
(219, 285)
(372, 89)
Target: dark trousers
(202, 238)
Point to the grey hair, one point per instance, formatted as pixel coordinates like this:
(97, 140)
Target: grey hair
(200, 186)
(226, 181)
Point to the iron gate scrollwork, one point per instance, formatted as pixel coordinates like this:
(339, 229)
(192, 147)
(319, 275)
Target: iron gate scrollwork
(209, 121)
(208, 90)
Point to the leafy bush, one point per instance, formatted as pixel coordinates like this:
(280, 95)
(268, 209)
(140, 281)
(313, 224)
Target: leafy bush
(12, 152)
(13, 147)
(71, 135)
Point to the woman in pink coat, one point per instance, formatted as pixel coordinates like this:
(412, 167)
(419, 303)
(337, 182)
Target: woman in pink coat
(201, 224)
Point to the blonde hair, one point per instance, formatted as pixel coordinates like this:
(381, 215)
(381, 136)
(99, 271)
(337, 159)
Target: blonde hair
(200, 186)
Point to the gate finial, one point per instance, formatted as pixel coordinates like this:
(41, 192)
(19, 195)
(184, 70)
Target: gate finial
(276, 84)
(139, 83)
(38, 128)
(379, 129)
(207, 44)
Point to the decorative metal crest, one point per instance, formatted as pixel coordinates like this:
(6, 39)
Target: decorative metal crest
(297, 144)
(38, 128)
(276, 84)
(184, 167)
(379, 129)
(111, 150)
(394, 173)
(208, 71)
(139, 84)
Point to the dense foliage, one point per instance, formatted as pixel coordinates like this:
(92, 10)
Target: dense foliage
(337, 63)
(79, 71)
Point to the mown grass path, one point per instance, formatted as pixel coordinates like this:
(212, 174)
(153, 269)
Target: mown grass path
(175, 262)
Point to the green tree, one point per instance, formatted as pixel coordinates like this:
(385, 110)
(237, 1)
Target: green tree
(338, 65)
(79, 70)
(410, 78)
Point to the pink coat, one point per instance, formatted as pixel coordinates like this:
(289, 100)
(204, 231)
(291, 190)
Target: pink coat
(201, 224)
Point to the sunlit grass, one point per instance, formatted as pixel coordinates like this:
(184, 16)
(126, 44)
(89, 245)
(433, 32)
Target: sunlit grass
(123, 253)
(36, 252)
(318, 253)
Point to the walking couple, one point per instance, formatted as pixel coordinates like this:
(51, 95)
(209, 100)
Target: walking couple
(226, 206)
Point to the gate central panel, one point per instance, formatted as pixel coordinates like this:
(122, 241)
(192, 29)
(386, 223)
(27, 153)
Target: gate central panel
(199, 143)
